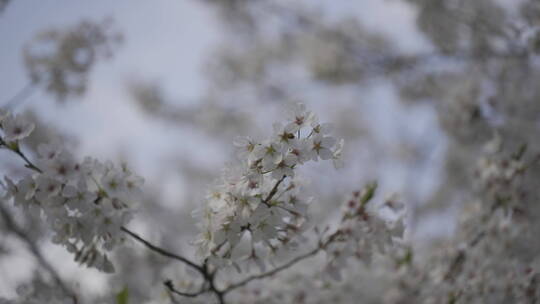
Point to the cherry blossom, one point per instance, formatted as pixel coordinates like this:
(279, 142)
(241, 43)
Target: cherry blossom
(15, 127)
(85, 203)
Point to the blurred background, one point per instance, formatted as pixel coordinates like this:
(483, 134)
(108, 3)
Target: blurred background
(417, 88)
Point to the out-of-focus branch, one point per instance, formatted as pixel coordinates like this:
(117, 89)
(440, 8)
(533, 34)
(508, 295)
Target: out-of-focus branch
(14, 228)
(23, 94)
(3, 4)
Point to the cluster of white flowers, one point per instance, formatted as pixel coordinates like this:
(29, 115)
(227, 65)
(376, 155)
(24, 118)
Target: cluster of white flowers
(259, 203)
(485, 262)
(60, 60)
(479, 268)
(85, 203)
(364, 232)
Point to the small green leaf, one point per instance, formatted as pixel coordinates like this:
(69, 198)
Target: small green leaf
(369, 192)
(122, 296)
(14, 146)
(520, 152)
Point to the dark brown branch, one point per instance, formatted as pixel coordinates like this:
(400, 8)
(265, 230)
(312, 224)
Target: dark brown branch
(164, 252)
(207, 275)
(170, 287)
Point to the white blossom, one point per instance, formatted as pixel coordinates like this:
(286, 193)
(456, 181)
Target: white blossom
(16, 128)
(299, 117)
(321, 147)
(245, 147)
(85, 204)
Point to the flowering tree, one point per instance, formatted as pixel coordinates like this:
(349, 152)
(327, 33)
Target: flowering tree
(263, 235)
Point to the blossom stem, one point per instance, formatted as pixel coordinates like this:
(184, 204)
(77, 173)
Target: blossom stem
(29, 164)
(18, 151)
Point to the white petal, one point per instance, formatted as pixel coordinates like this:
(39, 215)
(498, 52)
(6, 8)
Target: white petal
(328, 141)
(325, 153)
(69, 191)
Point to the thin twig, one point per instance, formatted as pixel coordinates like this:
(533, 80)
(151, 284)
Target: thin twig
(20, 96)
(29, 164)
(322, 245)
(18, 151)
(273, 271)
(170, 287)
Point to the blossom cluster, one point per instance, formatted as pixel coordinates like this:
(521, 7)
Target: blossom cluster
(85, 203)
(60, 60)
(364, 232)
(258, 211)
(475, 268)
(485, 262)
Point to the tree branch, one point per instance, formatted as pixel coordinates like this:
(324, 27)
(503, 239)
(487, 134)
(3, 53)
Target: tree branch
(164, 252)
